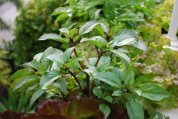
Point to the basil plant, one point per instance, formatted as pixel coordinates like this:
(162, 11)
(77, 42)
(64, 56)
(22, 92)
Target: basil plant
(95, 64)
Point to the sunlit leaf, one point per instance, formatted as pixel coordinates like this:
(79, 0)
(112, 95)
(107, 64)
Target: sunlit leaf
(52, 36)
(135, 110)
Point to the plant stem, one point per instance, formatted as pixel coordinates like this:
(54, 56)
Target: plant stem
(88, 85)
(99, 56)
(107, 37)
(83, 67)
(76, 79)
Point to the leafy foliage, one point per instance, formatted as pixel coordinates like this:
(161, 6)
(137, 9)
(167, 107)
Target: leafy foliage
(34, 20)
(107, 74)
(162, 15)
(15, 102)
(57, 73)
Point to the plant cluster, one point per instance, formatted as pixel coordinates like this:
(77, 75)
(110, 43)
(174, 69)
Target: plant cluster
(5, 69)
(162, 15)
(104, 71)
(157, 63)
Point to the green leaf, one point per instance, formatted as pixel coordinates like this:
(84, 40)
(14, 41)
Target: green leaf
(104, 63)
(134, 110)
(111, 78)
(2, 107)
(108, 98)
(153, 91)
(117, 93)
(105, 109)
(28, 80)
(125, 59)
(97, 41)
(89, 26)
(61, 57)
(52, 36)
(57, 57)
(64, 31)
(48, 76)
(50, 82)
(38, 66)
(97, 92)
(62, 17)
(62, 10)
(35, 96)
(20, 73)
(94, 3)
(67, 54)
(130, 17)
(97, 13)
(129, 80)
(61, 85)
(109, 9)
(124, 37)
(38, 57)
(140, 45)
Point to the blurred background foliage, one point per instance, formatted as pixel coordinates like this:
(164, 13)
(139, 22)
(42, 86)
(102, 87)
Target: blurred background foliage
(162, 14)
(34, 20)
(3, 25)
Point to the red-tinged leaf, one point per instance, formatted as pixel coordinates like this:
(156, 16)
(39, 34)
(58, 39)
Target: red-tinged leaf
(85, 108)
(77, 109)
(52, 107)
(10, 115)
(37, 116)
(118, 112)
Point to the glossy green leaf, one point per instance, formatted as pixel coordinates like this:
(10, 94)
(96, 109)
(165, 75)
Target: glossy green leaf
(94, 3)
(134, 110)
(105, 109)
(97, 92)
(48, 76)
(97, 41)
(117, 93)
(122, 56)
(111, 78)
(20, 73)
(130, 17)
(67, 54)
(64, 31)
(35, 96)
(52, 36)
(129, 80)
(29, 80)
(61, 10)
(140, 45)
(124, 37)
(56, 57)
(89, 26)
(153, 91)
(108, 98)
(61, 85)
(38, 66)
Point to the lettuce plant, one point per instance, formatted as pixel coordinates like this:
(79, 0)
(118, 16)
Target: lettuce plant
(106, 75)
